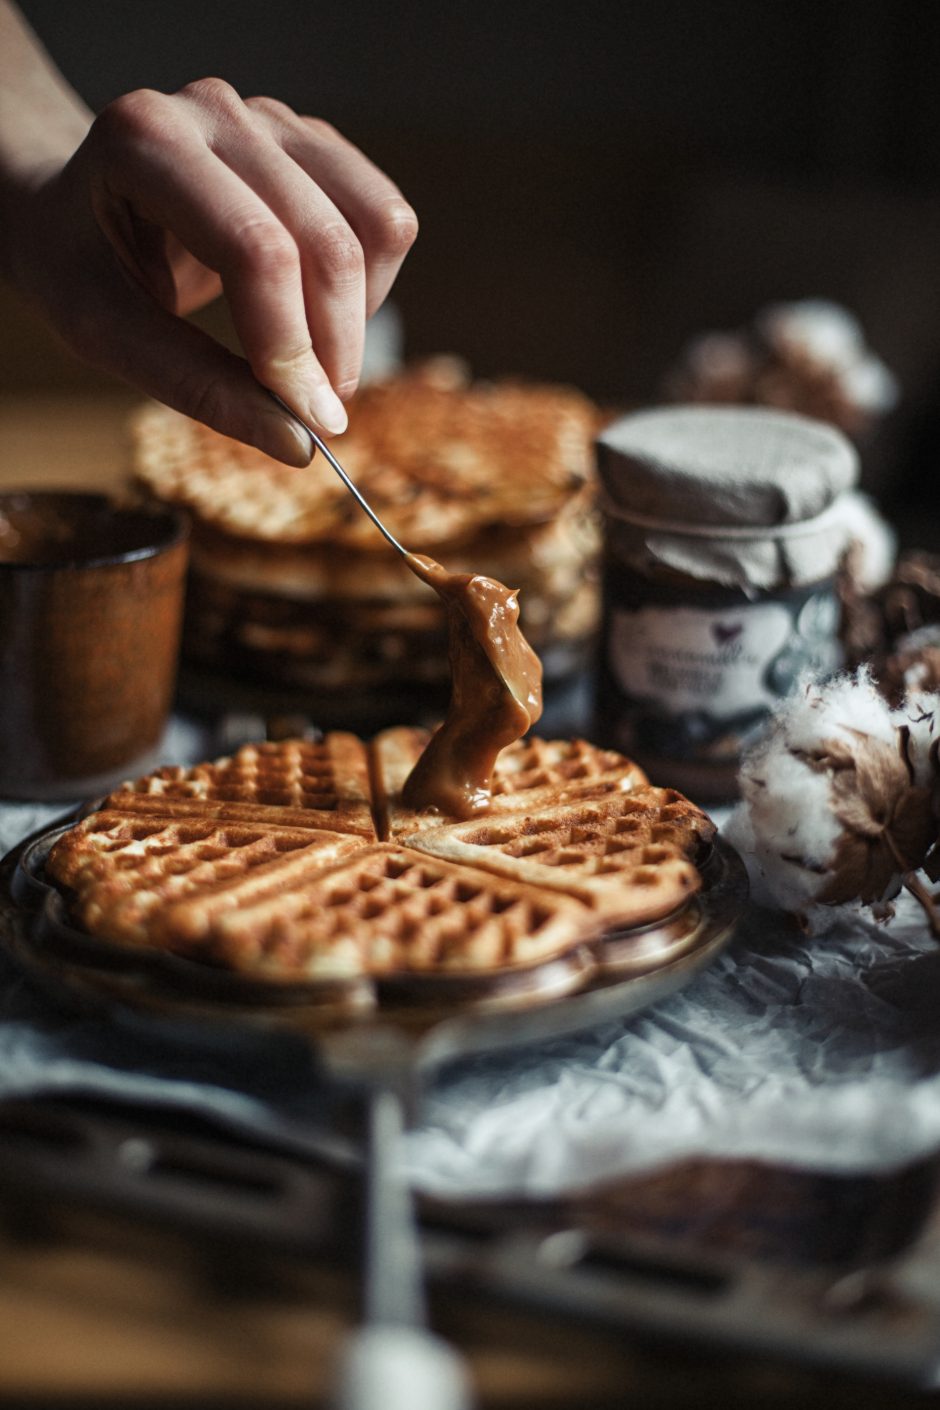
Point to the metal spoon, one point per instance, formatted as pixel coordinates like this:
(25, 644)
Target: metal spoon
(357, 495)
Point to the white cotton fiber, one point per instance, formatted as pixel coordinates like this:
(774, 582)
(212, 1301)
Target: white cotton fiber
(785, 826)
(920, 714)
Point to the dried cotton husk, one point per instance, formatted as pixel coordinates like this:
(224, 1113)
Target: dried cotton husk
(840, 799)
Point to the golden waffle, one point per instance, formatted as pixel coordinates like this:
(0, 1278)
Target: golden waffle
(336, 646)
(630, 857)
(388, 909)
(230, 862)
(436, 461)
(531, 773)
(545, 558)
(132, 874)
(295, 783)
(291, 586)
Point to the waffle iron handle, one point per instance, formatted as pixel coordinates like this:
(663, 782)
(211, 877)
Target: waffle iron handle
(400, 1368)
(393, 1362)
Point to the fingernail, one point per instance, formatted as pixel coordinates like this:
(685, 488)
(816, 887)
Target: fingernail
(328, 411)
(285, 439)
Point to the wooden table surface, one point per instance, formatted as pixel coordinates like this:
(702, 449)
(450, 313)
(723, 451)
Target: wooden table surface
(97, 1312)
(76, 442)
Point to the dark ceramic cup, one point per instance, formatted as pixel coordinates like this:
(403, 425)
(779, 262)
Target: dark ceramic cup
(91, 600)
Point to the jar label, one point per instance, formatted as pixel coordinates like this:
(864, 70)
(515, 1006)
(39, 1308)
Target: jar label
(704, 677)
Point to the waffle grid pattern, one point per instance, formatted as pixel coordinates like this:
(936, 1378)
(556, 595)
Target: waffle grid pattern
(387, 909)
(232, 862)
(292, 783)
(437, 462)
(631, 856)
(598, 837)
(535, 763)
(529, 774)
(129, 872)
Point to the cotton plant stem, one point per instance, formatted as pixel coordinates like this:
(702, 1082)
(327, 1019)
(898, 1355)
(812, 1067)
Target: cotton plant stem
(920, 893)
(927, 901)
(912, 882)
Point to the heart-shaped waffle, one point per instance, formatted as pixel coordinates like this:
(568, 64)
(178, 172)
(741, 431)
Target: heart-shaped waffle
(294, 783)
(277, 861)
(629, 857)
(150, 880)
(388, 909)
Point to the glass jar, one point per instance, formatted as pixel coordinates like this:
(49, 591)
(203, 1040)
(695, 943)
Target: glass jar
(724, 528)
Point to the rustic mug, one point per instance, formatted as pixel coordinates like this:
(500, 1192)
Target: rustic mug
(91, 601)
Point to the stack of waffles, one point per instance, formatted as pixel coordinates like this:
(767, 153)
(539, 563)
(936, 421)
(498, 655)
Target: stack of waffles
(297, 860)
(291, 584)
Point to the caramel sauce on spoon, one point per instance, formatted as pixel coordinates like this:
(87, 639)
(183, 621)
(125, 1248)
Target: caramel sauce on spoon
(496, 677)
(496, 692)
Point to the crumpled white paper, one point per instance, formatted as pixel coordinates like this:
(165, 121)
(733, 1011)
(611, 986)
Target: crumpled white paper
(822, 1053)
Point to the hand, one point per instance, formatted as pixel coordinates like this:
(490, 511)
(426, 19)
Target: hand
(171, 198)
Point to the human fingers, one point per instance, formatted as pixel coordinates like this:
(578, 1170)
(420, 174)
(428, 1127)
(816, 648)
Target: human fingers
(332, 261)
(195, 285)
(110, 318)
(165, 267)
(383, 221)
(113, 322)
(149, 151)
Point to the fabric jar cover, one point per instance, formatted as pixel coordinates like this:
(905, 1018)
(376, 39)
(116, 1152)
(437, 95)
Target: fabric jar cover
(740, 496)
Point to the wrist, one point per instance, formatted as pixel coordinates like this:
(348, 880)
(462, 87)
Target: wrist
(27, 168)
(42, 122)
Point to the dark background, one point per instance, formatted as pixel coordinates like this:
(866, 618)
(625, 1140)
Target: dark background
(595, 182)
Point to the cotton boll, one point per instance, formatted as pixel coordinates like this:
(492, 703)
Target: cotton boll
(808, 356)
(870, 385)
(842, 708)
(768, 886)
(914, 668)
(831, 339)
(838, 800)
(739, 830)
(920, 716)
(816, 328)
(792, 830)
(788, 804)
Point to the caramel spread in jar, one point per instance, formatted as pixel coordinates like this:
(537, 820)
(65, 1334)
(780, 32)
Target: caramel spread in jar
(724, 528)
(496, 692)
